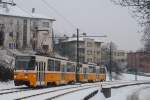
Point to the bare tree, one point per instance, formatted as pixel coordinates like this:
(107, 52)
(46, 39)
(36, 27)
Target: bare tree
(141, 11)
(107, 57)
(146, 38)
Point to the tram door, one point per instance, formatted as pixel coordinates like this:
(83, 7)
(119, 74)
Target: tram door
(97, 74)
(41, 73)
(63, 72)
(85, 75)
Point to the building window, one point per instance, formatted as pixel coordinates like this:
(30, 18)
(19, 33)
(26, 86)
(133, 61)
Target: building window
(89, 52)
(2, 36)
(9, 45)
(98, 52)
(46, 24)
(24, 33)
(35, 24)
(89, 44)
(14, 46)
(89, 60)
(11, 34)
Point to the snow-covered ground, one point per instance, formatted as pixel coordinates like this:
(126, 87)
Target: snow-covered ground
(124, 93)
(144, 94)
(78, 95)
(132, 77)
(7, 85)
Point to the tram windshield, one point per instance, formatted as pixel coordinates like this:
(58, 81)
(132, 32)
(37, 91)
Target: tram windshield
(25, 63)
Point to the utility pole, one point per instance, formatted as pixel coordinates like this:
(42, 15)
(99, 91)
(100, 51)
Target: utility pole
(77, 67)
(136, 67)
(110, 62)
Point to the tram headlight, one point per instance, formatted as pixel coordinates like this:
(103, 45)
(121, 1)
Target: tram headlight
(34, 76)
(26, 77)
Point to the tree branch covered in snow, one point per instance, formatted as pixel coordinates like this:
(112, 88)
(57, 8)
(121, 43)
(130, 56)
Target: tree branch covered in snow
(141, 11)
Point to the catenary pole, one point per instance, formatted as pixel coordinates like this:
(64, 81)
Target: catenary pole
(77, 67)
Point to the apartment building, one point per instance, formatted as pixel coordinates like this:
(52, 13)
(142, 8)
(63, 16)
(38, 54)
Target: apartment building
(139, 61)
(24, 30)
(89, 49)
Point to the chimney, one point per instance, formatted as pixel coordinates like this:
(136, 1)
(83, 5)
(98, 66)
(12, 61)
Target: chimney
(33, 10)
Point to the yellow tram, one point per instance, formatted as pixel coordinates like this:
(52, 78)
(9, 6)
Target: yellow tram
(43, 71)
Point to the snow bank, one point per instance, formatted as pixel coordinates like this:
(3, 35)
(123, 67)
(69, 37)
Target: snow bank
(144, 94)
(132, 77)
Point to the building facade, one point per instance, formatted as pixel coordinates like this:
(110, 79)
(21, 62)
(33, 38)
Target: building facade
(120, 56)
(21, 30)
(139, 61)
(89, 50)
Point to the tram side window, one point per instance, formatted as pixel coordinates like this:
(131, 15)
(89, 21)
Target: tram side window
(31, 65)
(84, 70)
(102, 70)
(51, 66)
(70, 67)
(80, 68)
(21, 65)
(57, 65)
(63, 68)
(92, 70)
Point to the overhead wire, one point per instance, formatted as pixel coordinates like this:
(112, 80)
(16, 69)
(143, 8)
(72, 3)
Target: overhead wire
(54, 9)
(23, 9)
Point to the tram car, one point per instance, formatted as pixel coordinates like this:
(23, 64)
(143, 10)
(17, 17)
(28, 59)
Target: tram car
(38, 70)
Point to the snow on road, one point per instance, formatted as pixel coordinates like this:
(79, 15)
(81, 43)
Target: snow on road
(144, 94)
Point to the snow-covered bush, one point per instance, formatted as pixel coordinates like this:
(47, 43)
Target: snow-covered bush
(6, 73)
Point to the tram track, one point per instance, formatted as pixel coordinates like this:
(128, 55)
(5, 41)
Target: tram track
(58, 90)
(65, 90)
(14, 90)
(72, 91)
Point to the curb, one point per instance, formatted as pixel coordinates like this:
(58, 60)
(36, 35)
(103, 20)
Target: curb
(90, 95)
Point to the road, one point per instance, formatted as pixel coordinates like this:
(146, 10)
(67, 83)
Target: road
(140, 94)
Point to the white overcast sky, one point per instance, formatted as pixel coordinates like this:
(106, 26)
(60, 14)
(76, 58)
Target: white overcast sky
(95, 17)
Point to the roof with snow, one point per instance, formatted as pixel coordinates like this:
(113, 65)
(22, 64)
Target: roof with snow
(82, 39)
(18, 12)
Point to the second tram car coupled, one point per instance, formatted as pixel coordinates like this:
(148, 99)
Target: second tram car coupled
(38, 70)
